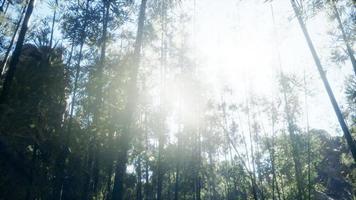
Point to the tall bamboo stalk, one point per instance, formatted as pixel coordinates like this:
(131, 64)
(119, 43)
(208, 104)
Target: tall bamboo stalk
(340, 117)
(344, 36)
(17, 53)
(125, 139)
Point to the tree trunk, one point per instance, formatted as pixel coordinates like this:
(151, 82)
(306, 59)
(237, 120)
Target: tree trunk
(344, 37)
(309, 137)
(53, 23)
(163, 62)
(169, 186)
(125, 140)
(139, 179)
(69, 61)
(159, 169)
(96, 168)
(16, 54)
(177, 170)
(294, 142)
(176, 187)
(347, 135)
(254, 183)
(94, 149)
(59, 181)
(108, 184)
(147, 192)
(6, 8)
(275, 187)
(212, 181)
(6, 56)
(64, 149)
(197, 165)
(254, 186)
(2, 5)
(118, 190)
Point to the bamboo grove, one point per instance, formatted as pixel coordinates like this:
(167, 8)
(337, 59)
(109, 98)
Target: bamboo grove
(105, 100)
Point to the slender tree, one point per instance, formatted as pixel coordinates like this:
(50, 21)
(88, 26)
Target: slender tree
(139, 179)
(17, 53)
(93, 145)
(13, 38)
(294, 140)
(161, 134)
(349, 50)
(53, 23)
(125, 139)
(59, 182)
(340, 117)
(3, 4)
(307, 129)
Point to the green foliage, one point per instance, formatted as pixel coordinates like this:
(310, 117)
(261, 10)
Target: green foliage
(65, 126)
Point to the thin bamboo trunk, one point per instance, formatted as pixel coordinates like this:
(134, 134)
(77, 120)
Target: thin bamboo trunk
(60, 182)
(6, 56)
(64, 154)
(96, 168)
(159, 169)
(125, 139)
(344, 36)
(75, 88)
(347, 135)
(53, 23)
(198, 163)
(212, 182)
(92, 179)
(139, 179)
(294, 142)
(254, 183)
(308, 137)
(147, 191)
(110, 166)
(2, 6)
(6, 8)
(69, 61)
(17, 53)
(161, 136)
(169, 186)
(271, 148)
(177, 178)
(108, 183)
(226, 133)
(260, 178)
(176, 187)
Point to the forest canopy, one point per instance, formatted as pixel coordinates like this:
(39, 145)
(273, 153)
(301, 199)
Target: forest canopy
(177, 99)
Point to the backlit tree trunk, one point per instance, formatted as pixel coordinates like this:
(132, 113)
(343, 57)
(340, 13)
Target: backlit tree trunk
(340, 117)
(344, 37)
(8, 51)
(294, 141)
(125, 139)
(60, 162)
(16, 54)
